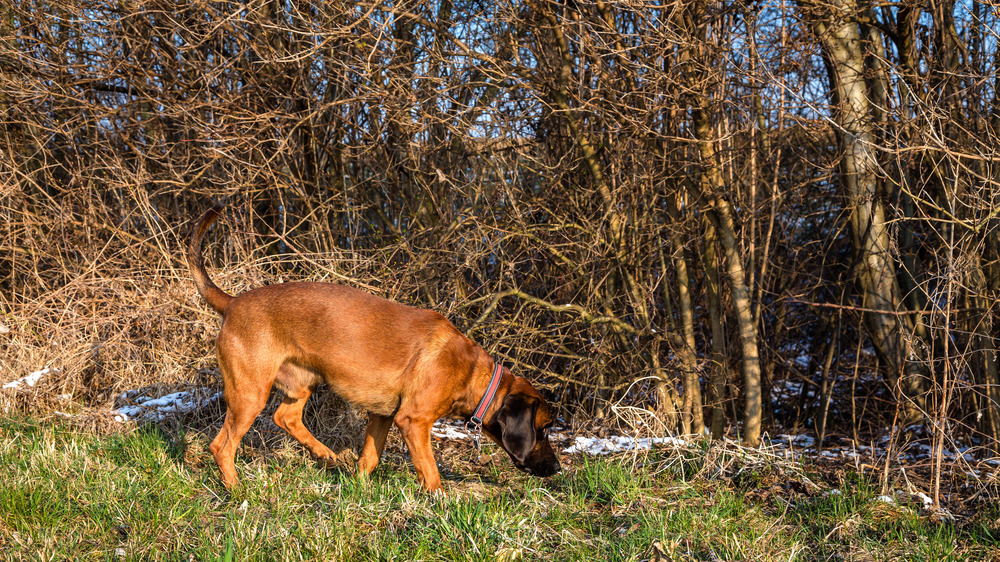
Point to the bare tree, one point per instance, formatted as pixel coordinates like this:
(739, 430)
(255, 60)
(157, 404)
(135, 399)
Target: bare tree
(690, 209)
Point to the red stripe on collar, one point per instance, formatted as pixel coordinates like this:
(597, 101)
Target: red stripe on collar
(477, 417)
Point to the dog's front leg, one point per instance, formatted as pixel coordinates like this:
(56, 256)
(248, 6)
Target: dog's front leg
(417, 434)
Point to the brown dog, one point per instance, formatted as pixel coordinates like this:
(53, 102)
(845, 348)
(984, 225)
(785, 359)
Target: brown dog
(404, 365)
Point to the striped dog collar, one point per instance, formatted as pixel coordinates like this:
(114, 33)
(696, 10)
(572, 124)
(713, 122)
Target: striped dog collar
(477, 416)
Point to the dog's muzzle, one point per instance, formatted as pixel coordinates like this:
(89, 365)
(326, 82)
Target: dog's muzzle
(543, 470)
(545, 466)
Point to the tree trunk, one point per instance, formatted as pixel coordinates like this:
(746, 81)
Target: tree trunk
(722, 219)
(836, 26)
(718, 366)
(692, 418)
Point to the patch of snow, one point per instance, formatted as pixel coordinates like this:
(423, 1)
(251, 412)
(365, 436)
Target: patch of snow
(797, 440)
(449, 430)
(456, 429)
(927, 501)
(784, 390)
(617, 444)
(885, 499)
(148, 409)
(30, 380)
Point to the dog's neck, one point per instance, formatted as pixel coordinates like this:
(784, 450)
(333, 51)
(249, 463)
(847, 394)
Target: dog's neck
(480, 385)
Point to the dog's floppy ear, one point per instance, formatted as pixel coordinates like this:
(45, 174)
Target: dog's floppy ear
(517, 419)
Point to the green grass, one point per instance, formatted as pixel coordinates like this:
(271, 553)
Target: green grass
(66, 494)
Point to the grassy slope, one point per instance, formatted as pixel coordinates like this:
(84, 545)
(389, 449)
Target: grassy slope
(66, 494)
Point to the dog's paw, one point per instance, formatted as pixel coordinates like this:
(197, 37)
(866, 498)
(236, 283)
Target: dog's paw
(346, 460)
(328, 461)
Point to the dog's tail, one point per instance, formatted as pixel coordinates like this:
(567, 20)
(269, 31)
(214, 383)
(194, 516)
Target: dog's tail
(216, 297)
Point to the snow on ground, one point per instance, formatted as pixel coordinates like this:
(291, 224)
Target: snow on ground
(149, 409)
(450, 429)
(785, 390)
(802, 441)
(29, 380)
(618, 444)
(803, 447)
(925, 499)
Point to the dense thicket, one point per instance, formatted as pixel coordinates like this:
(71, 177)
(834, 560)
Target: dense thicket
(666, 211)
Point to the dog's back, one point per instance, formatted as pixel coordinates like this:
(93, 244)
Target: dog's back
(348, 338)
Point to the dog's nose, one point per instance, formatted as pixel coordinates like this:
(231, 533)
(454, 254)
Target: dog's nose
(544, 470)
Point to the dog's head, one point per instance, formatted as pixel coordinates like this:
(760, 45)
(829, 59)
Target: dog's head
(520, 429)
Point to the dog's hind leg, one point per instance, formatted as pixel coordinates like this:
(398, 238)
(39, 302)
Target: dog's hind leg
(245, 398)
(288, 416)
